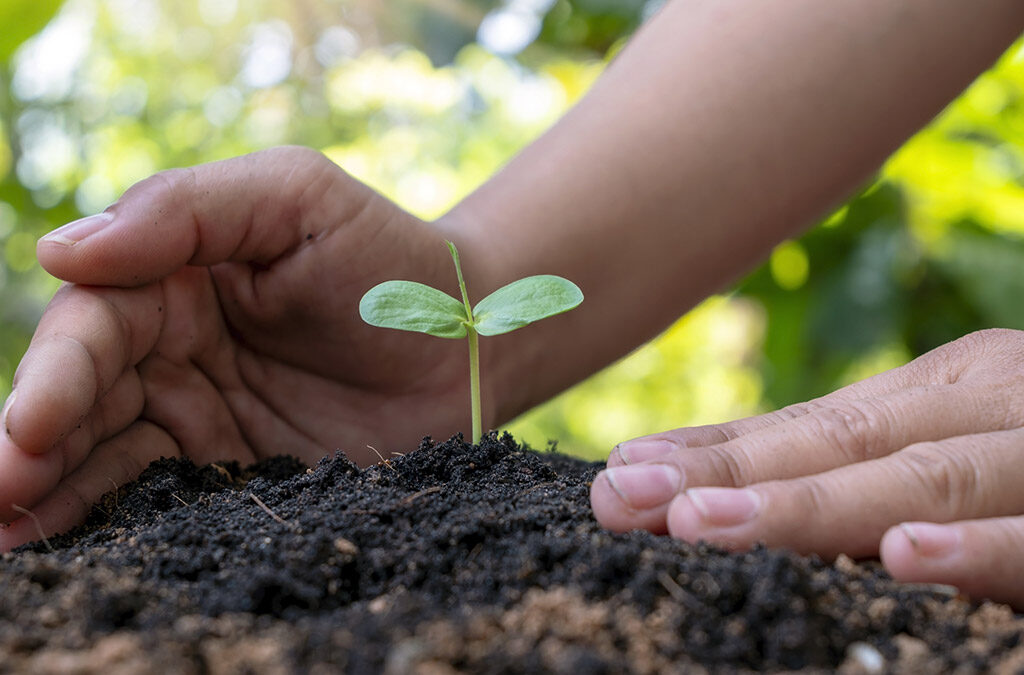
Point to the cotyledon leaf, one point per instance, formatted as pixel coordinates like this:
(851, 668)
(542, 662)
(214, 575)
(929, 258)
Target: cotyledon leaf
(524, 301)
(408, 305)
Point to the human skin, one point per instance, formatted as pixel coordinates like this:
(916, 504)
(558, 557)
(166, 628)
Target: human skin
(214, 315)
(203, 321)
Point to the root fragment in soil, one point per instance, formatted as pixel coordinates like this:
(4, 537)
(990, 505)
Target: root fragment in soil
(35, 521)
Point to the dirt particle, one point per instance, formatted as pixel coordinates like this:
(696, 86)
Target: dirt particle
(346, 547)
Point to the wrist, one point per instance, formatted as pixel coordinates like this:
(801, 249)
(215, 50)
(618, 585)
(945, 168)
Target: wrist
(522, 368)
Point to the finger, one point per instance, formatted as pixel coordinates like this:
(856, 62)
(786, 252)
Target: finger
(659, 445)
(944, 365)
(111, 415)
(85, 342)
(982, 558)
(847, 510)
(114, 462)
(24, 477)
(234, 210)
(847, 432)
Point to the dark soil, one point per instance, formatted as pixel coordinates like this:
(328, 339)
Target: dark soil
(452, 558)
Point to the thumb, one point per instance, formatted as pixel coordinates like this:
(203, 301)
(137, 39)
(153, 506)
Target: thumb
(252, 208)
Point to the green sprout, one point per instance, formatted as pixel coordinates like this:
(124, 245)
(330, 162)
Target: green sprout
(407, 305)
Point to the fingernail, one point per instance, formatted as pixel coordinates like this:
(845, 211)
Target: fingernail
(76, 231)
(634, 452)
(7, 411)
(725, 507)
(931, 540)
(644, 486)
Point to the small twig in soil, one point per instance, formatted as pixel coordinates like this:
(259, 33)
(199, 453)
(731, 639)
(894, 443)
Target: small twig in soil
(259, 503)
(35, 519)
(180, 499)
(673, 587)
(416, 495)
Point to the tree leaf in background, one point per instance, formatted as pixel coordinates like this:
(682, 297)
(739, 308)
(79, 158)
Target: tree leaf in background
(522, 302)
(988, 270)
(21, 19)
(407, 305)
(851, 302)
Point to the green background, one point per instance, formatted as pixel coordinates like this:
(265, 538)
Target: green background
(404, 96)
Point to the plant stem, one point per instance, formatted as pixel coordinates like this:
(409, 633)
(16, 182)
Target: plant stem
(474, 383)
(474, 352)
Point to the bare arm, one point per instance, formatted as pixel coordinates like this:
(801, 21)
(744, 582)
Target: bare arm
(723, 128)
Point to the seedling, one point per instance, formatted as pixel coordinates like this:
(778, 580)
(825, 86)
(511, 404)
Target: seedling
(408, 305)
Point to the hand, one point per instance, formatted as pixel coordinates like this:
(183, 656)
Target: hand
(922, 465)
(213, 315)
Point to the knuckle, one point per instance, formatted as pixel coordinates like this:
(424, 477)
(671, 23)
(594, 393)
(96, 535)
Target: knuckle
(950, 480)
(987, 336)
(711, 434)
(802, 408)
(953, 361)
(810, 495)
(162, 193)
(732, 467)
(735, 430)
(299, 154)
(171, 186)
(124, 332)
(105, 337)
(857, 430)
(1007, 532)
(978, 341)
(815, 496)
(121, 405)
(947, 364)
(82, 354)
(306, 178)
(299, 163)
(792, 412)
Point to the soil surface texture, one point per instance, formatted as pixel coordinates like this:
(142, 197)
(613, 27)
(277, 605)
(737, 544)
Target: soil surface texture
(452, 558)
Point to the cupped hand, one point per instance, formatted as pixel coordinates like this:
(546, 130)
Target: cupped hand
(212, 313)
(922, 465)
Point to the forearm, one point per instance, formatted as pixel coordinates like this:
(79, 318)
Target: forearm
(724, 127)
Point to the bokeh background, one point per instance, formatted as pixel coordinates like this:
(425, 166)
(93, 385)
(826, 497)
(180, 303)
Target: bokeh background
(424, 100)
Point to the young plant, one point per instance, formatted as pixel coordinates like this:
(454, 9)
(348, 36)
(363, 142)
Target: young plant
(407, 305)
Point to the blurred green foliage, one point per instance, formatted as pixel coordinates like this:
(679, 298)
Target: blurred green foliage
(424, 99)
(21, 20)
